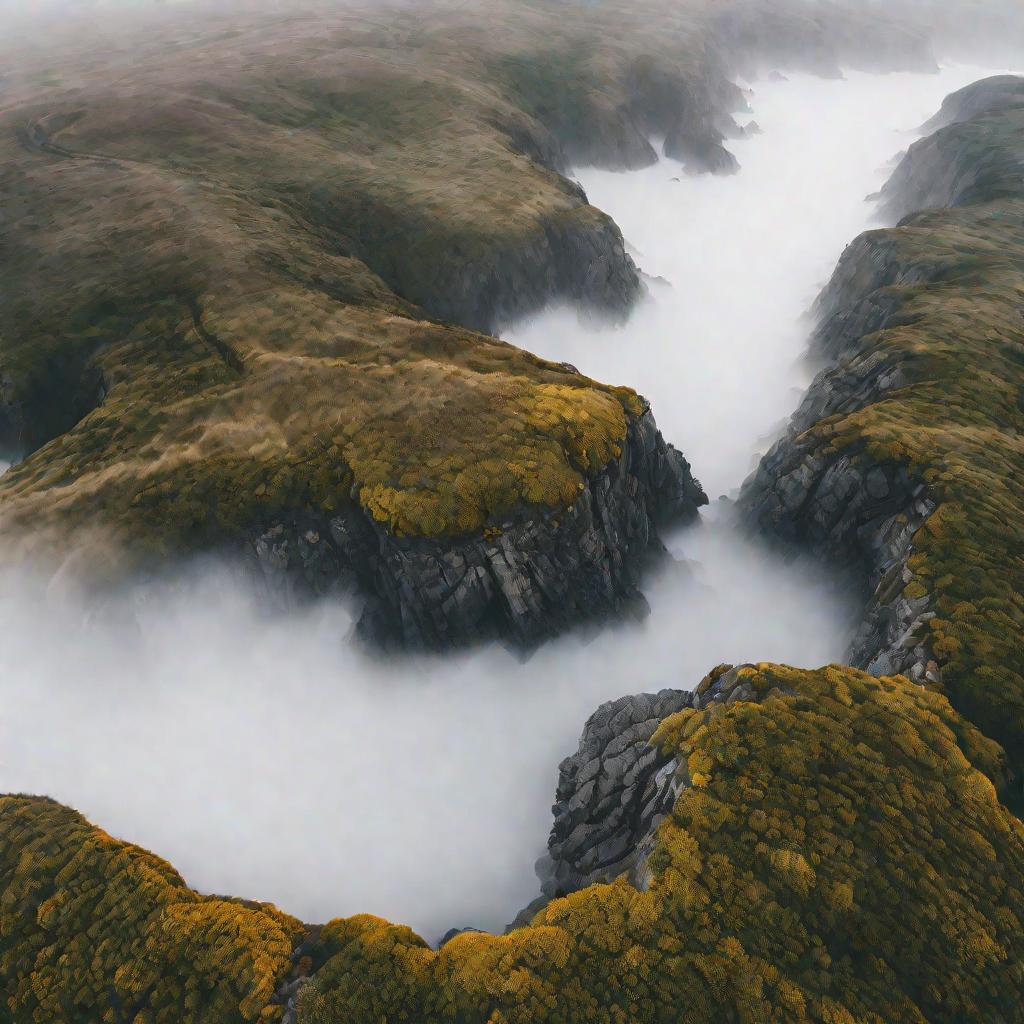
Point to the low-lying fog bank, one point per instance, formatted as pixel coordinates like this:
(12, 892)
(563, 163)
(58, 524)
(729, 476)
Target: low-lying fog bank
(718, 348)
(268, 758)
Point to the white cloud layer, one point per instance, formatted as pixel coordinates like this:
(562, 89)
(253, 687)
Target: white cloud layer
(269, 758)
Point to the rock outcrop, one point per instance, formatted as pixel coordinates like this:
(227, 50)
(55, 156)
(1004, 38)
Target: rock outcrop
(809, 807)
(612, 794)
(525, 581)
(616, 790)
(899, 464)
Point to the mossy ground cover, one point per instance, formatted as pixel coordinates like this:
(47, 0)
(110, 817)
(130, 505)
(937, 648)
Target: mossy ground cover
(93, 929)
(316, 188)
(956, 331)
(215, 268)
(838, 854)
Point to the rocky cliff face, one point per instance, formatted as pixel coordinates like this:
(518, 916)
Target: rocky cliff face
(612, 794)
(526, 580)
(618, 787)
(898, 465)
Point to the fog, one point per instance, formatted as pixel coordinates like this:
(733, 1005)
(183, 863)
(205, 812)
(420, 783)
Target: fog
(719, 346)
(267, 757)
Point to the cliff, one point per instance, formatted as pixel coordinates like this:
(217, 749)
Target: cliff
(904, 459)
(245, 287)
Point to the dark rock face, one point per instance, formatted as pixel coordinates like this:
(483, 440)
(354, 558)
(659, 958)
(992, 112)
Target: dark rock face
(617, 788)
(524, 582)
(700, 153)
(692, 115)
(862, 515)
(848, 506)
(611, 793)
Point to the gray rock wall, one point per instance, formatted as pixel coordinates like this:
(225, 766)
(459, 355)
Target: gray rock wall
(531, 579)
(612, 793)
(846, 505)
(618, 787)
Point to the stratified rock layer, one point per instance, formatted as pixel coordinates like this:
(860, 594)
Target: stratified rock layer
(904, 460)
(618, 787)
(526, 580)
(612, 794)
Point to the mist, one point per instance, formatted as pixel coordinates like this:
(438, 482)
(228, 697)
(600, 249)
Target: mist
(733, 263)
(269, 757)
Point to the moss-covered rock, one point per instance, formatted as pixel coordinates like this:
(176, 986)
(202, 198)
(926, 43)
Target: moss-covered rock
(837, 852)
(905, 458)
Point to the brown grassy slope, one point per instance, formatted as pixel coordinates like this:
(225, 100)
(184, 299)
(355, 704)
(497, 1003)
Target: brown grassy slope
(220, 233)
(836, 854)
(198, 268)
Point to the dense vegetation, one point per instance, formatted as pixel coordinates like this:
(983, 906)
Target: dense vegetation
(838, 854)
(94, 929)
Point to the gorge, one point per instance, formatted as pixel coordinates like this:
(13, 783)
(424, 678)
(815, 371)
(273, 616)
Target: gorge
(174, 699)
(331, 345)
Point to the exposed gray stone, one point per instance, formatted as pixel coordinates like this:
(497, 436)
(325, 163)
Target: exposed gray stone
(543, 574)
(617, 788)
(608, 793)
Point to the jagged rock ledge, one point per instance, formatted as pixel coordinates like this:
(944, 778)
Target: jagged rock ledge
(526, 581)
(617, 788)
(846, 506)
(855, 497)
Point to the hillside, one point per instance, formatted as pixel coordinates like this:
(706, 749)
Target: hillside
(905, 458)
(245, 258)
(836, 852)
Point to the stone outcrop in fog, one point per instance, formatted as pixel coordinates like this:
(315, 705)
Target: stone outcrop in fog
(527, 580)
(903, 459)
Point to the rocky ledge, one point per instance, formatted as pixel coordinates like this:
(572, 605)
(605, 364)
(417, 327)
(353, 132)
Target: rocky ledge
(899, 464)
(524, 581)
(617, 788)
